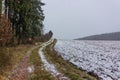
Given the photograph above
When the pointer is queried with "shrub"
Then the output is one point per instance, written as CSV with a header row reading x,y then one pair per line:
x,y
5,30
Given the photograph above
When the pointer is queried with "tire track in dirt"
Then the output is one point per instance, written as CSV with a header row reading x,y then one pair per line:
x,y
49,66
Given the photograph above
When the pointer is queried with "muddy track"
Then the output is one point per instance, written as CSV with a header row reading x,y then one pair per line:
x,y
21,71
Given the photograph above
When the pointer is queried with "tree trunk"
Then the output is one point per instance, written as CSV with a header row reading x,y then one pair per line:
x,y
0,6
6,8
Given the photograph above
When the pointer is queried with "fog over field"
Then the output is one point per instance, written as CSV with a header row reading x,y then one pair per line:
x,y
70,19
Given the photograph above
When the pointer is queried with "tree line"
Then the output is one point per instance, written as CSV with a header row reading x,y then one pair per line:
x,y
20,20
106,36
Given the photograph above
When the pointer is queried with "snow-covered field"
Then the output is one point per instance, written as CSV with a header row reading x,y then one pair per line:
x,y
100,57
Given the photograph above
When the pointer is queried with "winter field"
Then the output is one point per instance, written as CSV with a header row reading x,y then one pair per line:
x,y
99,57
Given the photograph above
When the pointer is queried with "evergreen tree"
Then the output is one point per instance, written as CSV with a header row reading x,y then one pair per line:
x,y
26,17
37,17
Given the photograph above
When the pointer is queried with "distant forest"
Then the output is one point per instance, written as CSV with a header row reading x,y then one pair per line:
x,y
106,36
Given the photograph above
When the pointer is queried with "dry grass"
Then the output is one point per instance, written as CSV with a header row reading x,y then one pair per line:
x,y
39,73
10,57
65,67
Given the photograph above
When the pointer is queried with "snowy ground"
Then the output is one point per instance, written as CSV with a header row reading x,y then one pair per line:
x,y
100,57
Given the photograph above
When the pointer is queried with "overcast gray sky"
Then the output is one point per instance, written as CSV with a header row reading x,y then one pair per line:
x,y
70,19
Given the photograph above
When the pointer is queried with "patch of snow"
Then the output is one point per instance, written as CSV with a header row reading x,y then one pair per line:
x,y
100,57
30,69
49,66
